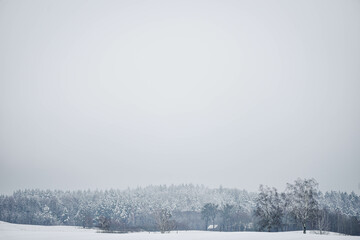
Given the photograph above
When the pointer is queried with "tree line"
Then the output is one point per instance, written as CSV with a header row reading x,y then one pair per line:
x,y
301,205
188,207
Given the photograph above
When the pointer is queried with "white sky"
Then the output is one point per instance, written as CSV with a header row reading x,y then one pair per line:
x,y
111,94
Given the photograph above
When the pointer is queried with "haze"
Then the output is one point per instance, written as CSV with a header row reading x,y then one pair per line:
x,y
117,94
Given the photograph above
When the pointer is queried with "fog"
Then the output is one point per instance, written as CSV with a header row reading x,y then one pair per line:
x,y
117,94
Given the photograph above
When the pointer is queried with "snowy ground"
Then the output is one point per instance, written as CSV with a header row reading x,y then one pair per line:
x,y
17,231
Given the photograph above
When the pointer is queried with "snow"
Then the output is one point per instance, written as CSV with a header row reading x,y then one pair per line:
x,y
10,231
210,227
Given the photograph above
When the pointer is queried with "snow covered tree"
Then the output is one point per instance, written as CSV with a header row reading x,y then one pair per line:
x,y
303,197
163,220
46,216
65,216
238,218
85,217
226,214
104,222
287,218
208,212
322,220
268,208
135,209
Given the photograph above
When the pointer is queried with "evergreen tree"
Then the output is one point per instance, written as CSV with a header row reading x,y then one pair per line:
x,y
208,212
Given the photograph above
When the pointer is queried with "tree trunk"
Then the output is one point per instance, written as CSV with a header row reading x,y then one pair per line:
x,y
304,228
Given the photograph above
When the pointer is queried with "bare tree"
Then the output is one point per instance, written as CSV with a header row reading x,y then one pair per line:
x,y
322,220
268,208
303,197
104,223
163,221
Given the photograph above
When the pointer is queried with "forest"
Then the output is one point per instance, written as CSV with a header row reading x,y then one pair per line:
x,y
188,207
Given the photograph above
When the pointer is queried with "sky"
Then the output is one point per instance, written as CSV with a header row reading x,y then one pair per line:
x,y
118,94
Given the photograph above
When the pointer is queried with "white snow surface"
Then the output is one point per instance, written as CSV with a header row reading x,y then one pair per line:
x,y
10,231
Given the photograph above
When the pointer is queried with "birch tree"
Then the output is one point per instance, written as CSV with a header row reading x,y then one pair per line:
x,y
303,197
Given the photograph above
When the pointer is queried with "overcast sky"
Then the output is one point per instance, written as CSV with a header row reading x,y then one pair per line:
x,y
117,94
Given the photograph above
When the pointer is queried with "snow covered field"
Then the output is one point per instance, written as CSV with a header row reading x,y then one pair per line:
x,y
10,231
